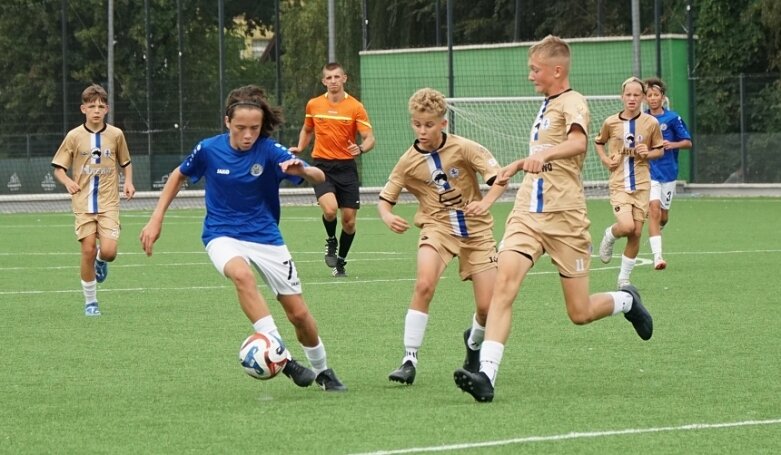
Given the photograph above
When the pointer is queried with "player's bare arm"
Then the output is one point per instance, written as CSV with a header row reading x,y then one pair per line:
x,y
575,144
62,177
304,138
129,189
394,222
481,207
296,167
151,232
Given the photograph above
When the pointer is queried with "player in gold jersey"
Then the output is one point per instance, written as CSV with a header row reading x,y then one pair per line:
x,y
441,170
549,216
632,138
94,152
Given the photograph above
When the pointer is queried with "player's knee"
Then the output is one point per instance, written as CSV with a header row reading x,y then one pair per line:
x,y
579,317
624,229
243,278
348,224
425,289
299,316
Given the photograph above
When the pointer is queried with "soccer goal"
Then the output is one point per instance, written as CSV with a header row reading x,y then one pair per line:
x,y
502,125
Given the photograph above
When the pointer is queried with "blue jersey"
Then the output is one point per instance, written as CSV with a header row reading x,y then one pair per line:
x,y
665,169
242,188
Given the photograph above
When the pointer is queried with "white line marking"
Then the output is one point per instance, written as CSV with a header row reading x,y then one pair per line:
x,y
575,435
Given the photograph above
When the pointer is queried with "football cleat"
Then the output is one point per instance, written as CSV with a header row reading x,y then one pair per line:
x,y
605,250
472,360
299,374
404,374
476,384
330,251
639,317
622,282
339,271
101,271
660,263
328,381
91,309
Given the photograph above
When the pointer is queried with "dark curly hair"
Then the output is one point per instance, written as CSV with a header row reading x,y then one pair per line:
x,y
254,97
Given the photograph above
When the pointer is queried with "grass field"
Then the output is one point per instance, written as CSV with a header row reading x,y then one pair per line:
x,y
159,373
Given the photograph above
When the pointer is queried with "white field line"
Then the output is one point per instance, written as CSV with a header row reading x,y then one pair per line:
x,y
575,435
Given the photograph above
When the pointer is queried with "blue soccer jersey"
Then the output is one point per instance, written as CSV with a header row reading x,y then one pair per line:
x,y
665,169
242,188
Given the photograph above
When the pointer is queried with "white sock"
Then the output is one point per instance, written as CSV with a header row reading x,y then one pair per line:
x,y
609,234
414,328
490,357
476,335
627,264
622,302
316,356
656,245
90,290
266,325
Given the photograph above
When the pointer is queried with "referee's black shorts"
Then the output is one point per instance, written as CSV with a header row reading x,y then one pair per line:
x,y
341,178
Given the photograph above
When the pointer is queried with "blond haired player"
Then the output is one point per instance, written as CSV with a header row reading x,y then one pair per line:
x,y
94,152
441,170
632,138
550,217
334,119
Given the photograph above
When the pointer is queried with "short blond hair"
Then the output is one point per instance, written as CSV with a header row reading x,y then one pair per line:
x,y
552,47
636,80
428,100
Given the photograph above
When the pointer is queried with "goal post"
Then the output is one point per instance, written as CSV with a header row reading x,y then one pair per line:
x,y
502,125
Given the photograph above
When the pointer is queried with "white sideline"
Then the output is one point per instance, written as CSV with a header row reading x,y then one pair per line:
x,y
574,435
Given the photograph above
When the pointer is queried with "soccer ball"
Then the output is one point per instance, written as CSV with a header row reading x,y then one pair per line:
x,y
263,356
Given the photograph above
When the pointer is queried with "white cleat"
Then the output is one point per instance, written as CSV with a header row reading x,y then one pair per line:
x,y
605,250
659,263
622,282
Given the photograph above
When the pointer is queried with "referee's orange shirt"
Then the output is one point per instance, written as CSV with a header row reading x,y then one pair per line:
x,y
335,125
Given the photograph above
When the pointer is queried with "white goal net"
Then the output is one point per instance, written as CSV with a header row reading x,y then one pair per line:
x,y
502,125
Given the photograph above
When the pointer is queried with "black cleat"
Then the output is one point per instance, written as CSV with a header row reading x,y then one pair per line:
x,y
639,317
339,271
331,244
476,384
301,375
328,381
404,374
472,360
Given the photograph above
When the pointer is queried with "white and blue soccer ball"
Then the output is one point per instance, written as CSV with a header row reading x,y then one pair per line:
x,y
263,356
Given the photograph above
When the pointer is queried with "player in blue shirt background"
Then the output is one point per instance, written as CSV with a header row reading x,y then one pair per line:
x,y
664,171
243,169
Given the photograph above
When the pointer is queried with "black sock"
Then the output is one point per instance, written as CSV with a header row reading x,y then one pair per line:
x,y
345,242
330,227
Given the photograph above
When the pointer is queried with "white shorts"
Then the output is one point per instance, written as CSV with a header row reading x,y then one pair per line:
x,y
663,192
272,262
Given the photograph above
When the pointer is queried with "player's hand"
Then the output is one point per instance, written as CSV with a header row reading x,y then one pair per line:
x,y
477,208
532,164
353,148
396,223
72,187
642,150
507,172
149,235
293,167
130,191
667,144
294,150
613,162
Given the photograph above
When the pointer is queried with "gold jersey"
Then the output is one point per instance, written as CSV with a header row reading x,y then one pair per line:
x,y
559,186
94,158
620,136
444,182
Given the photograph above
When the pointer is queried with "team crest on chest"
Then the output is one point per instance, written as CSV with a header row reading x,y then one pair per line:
x,y
663,127
545,123
256,170
454,172
439,177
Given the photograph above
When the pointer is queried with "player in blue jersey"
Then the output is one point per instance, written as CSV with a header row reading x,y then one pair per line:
x,y
243,169
664,171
